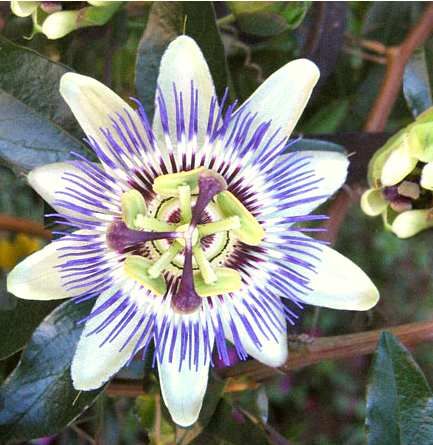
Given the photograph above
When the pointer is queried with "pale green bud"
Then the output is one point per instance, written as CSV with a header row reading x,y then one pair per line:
x,y
373,202
427,176
410,223
23,9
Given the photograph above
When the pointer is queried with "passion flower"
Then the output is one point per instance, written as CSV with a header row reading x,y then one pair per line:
x,y
185,232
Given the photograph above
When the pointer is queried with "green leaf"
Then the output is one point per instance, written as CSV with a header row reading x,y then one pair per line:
x,y
18,198
390,24
328,118
306,144
268,19
416,83
399,399
168,20
34,119
38,398
28,140
16,312
34,80
231,426
262,23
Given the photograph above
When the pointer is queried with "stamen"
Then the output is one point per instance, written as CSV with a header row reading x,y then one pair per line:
x,y
167,185
204,265
185,203
228,280
137,268
223,225
250,232
165,259
133,204
148,223
119,237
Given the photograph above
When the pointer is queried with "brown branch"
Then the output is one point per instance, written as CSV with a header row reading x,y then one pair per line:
x,y
333,348
310,353
397,58
23,225
125,388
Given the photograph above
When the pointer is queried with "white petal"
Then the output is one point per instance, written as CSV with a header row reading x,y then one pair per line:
x,y
60,23
48,179
272,350
23,8
284,95
36,277
183,391
92,103
93,364
340,284
331,167
182,63
184,387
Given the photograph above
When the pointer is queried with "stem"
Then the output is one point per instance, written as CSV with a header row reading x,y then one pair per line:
x,y
332,348
397,57
227,20
23,225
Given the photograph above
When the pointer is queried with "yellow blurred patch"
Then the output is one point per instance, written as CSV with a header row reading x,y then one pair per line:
x,y
12,251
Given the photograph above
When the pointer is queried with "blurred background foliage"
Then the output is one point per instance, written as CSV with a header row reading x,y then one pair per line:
x,y
323,404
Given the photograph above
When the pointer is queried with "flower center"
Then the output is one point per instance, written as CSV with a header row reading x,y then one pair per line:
x,y
409,194
186,236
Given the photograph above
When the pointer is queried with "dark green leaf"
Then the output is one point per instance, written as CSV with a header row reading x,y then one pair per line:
x,y
305,144
294,12
231,426
34,80
34,119
255,402
28,139
268,19
23,313
399,399
166,21
262,23
389,22
328,118
416,83
17,198
38,398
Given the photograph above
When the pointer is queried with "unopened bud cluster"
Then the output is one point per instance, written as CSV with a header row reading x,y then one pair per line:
x,y
57,19
400,176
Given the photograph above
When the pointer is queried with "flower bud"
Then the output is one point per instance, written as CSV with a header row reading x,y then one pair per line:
x,y
50,19
400,175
